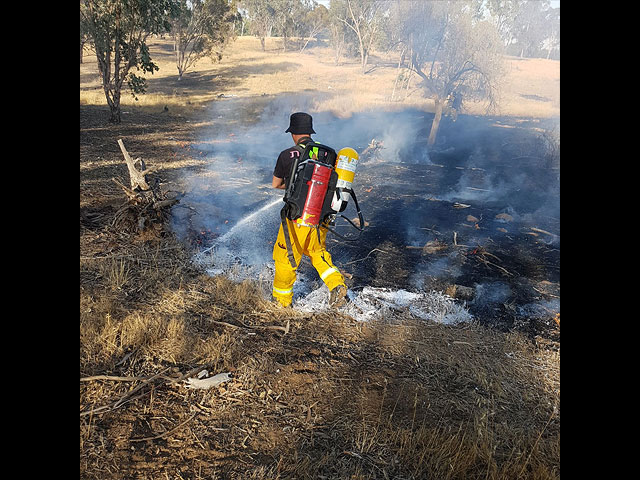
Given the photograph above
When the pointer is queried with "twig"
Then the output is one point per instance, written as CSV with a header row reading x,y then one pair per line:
x,y
130,193
539,230
165,433
253,327
146,382
108,408
359,260
225,324
545,293
506,272
110,377
193,371
125,398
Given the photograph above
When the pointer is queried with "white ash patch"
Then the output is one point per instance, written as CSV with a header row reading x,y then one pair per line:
x,y
371,303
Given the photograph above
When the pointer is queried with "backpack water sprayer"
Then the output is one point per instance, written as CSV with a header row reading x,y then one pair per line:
x,y
319,188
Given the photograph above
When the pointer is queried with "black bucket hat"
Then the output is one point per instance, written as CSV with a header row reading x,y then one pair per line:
x,y
300,123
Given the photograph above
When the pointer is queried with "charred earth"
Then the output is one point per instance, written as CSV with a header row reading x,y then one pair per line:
x,y
475,216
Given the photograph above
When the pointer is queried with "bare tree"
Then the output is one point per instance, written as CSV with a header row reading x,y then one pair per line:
x,y
288,15
552,40
338,34
455,54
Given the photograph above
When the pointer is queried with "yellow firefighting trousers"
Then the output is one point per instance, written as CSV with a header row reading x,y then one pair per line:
x,y
304,241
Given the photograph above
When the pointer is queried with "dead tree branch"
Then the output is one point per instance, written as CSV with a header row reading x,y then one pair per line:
x,y
146,204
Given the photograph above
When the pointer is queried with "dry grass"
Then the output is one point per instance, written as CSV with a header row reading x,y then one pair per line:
x,y
530,88
332,398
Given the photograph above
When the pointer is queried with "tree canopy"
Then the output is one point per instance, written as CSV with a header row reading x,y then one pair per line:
x,y
455,53
118,30
202,28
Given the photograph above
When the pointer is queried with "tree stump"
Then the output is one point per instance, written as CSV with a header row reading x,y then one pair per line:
x,y
146,205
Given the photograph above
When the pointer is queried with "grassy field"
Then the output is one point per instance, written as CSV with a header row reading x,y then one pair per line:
x,y
531,87
314,396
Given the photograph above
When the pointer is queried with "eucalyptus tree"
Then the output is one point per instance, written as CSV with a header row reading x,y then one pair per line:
x,y
502,14
202,28
119,30
262,18
453,51
364,18
315,22
530,26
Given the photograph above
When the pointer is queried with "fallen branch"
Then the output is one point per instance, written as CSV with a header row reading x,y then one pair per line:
x,y
165,203
193,371
146,203
206,383
126,397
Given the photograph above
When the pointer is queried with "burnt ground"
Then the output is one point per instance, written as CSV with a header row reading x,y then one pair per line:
x,y
485,207
475,216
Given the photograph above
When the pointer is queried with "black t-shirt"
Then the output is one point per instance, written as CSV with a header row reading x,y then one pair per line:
x,y
284,163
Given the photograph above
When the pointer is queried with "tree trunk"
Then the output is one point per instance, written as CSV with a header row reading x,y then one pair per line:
x,y
397,76
338,52
365,59
436,123
114,106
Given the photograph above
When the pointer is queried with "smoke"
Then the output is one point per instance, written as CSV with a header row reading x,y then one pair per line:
x,y
232,197
505,178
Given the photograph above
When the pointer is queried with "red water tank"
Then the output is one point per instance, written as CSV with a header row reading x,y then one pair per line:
x,y
315,196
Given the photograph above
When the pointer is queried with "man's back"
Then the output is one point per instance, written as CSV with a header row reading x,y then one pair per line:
x,y
284,163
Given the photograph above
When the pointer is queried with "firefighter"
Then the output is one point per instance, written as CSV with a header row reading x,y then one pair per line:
x,y
304,239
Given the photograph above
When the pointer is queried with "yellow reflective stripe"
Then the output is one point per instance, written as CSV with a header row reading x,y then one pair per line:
x,y
328,272
282,292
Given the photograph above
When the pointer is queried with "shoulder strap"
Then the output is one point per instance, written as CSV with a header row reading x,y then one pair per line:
x,y
304,140
287,239
302,144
